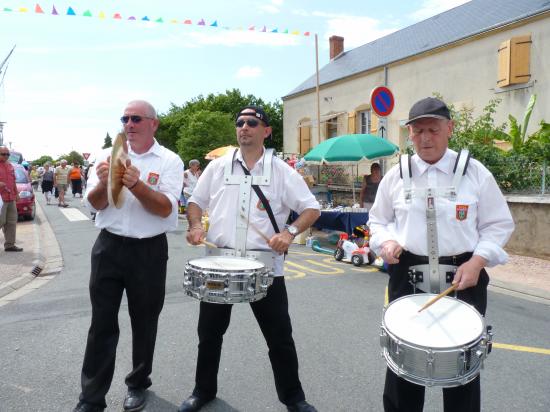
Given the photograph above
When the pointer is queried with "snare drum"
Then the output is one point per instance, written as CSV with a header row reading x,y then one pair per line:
x,y
444,345
226,279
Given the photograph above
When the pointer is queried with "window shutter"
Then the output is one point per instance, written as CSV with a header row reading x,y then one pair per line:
x,y
520,54
305,139
352,117
514,57
374,123
504,64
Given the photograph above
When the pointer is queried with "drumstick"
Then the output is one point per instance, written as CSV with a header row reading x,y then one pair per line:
x,y
255,228
207,243
435,299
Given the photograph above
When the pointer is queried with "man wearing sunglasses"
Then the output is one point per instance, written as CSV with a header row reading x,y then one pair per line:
x,y
9,196
129,255
220,190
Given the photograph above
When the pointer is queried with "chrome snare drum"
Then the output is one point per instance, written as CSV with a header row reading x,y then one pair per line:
x,y
226,279
444,345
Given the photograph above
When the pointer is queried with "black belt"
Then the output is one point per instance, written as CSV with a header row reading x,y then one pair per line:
x,y
130,239
455,260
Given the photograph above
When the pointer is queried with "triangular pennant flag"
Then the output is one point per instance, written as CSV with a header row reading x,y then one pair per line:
x,y
263,30
117,16
70,12
275,31
201,23
173,21
187,21
7,9
131,18
87,13
159,20
251,28
306,33
286,31
295,32
54,11
38,9
215,24
23,10
145,18
101,15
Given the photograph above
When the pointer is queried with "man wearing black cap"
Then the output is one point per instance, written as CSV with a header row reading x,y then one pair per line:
x,y
457,195
233,210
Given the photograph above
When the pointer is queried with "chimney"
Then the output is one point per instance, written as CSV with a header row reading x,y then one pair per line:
x,y
336,46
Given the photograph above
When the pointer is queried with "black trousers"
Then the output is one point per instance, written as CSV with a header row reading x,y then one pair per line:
x,y
271,312
137,266
404,396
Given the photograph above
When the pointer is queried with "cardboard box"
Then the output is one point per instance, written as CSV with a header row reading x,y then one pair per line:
x,y
309,180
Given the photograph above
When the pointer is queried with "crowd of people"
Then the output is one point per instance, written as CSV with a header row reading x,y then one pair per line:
x,y
250,188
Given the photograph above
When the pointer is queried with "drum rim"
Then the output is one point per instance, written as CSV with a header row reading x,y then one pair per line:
x,y
260,265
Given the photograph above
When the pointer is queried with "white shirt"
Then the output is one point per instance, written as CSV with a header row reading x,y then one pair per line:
x,y
190,181
161,170
477,221
287,191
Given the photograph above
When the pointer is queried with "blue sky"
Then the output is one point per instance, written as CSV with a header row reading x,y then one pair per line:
x,y
70,77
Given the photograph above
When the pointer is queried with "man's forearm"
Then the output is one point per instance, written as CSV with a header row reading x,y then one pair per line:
x,y
306,219
98,197
194,215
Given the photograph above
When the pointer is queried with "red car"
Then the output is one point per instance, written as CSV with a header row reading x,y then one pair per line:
x,y
25,204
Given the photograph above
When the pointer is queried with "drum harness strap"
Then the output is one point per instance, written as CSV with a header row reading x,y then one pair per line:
x,y
439,275
246,182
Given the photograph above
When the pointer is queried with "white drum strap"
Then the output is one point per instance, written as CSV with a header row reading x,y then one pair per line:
x,y
433,249
245,190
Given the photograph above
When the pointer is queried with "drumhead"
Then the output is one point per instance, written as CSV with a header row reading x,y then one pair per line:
x,y
230,263
447,323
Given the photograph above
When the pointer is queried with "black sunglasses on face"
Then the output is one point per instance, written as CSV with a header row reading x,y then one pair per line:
x,y
250,122
133,118
4,154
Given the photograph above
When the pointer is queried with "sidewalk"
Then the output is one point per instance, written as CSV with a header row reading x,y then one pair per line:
x,y
40,260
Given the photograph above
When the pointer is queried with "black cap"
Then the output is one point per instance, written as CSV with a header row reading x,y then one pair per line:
x,y
258,112
429,107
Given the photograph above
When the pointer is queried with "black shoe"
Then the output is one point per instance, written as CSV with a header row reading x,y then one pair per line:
x,y
87,407
301,406
192,404
13,249
135,400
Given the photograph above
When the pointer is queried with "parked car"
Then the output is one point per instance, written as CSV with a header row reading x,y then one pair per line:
x,y
15,157
25,205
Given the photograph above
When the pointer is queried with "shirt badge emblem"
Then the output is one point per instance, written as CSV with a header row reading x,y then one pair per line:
x,y
153,178
461,212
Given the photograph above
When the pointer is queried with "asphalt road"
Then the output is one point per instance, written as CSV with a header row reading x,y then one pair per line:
x,y
336,311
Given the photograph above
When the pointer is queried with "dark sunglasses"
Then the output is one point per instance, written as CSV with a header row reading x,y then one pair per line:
x,y
250,122
4,154
133,118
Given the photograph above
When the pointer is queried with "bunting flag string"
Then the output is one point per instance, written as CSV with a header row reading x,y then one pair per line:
x,y
119,16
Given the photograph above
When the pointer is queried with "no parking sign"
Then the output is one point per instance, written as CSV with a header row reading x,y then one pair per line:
x,y
382,101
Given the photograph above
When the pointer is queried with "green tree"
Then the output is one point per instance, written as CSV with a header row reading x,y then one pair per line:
x,y
42,160
72,157
108,142
202,132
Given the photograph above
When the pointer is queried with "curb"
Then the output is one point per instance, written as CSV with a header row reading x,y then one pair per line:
x,y
47,258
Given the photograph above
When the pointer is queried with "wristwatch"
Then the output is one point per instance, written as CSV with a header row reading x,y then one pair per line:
x,y
293,230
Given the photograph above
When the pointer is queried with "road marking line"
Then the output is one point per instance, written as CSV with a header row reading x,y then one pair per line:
x,y
521,348
298,274
308,269
334,270
74,215
305,253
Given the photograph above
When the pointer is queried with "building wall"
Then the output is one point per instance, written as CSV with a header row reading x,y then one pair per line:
x,y
465,75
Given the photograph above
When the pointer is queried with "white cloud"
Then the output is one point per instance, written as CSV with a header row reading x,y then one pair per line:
x,y
356,30
430,8
246,72
270,8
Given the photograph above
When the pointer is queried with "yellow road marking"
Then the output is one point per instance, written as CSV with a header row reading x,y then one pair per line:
x,y
334,270
307,254
298,274
521,348
308,269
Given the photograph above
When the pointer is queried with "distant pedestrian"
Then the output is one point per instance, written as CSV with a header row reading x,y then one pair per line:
x,y
76,179
47,182
61,181
9,197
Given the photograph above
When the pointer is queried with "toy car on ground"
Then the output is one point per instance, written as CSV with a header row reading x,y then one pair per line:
x,y
348,250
